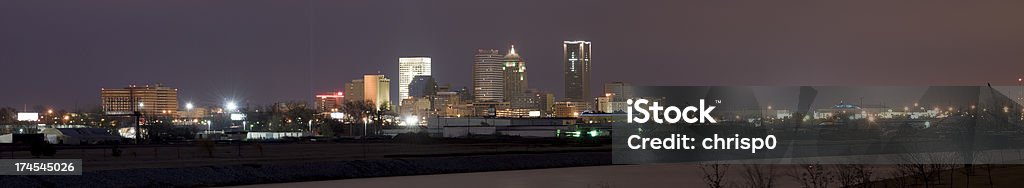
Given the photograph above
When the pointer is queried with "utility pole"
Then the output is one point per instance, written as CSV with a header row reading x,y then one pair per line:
x,y
138,115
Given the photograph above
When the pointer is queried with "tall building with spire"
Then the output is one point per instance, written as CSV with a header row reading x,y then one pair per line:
x,y
514,75
576,57
488,76
409,67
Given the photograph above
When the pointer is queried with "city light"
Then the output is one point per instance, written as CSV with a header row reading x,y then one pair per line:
x,y
337,115
412,120
231,106
25,116
189,106
237,117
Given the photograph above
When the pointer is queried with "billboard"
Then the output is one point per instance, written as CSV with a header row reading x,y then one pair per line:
x,y
337,115
237,117
26,116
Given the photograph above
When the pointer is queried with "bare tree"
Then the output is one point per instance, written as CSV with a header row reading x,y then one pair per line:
x,y
988,166
918,166
813,176
900,178
759,176
714,174
853,175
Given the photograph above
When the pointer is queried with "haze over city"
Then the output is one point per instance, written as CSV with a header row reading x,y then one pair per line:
x,y
60,54
511,93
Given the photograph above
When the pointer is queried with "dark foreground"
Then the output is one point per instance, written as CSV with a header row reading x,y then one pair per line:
x,y
243,174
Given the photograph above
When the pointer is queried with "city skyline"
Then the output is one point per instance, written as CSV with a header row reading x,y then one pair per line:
x,y
498,93
57,54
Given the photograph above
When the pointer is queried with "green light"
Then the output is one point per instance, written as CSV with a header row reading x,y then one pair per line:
x,y
593,133
573,133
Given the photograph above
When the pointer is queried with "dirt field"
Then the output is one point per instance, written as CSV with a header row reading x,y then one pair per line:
x,y
182,155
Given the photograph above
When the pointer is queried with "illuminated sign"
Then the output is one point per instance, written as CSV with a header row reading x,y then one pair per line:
x,y
28,116
337,115
534,113
237,117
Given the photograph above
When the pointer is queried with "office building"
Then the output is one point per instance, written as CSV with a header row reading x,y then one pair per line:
x,y
409,67
150,100
329,102
614,97
530,101
355,90
377,89
514,77
569,108
448,104
608,104
422,86
619,91
488,76
576,57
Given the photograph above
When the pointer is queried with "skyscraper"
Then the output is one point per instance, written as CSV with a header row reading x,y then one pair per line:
x,y
488,76
377,89
514,76
576,55
422,86
409,67
355,90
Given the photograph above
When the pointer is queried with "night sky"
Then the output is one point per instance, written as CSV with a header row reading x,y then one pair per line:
x,y
60,53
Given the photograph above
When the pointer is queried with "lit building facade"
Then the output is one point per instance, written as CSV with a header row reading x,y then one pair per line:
x,y
417,106
329,102
449,104
576,57
569,108
614,97
619,91
608,104
488,82
147,99
514,77
377,89
533,100
409,67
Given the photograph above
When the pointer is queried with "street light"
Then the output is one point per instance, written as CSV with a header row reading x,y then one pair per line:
x,y
231,106
189,106
412,120
364,127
